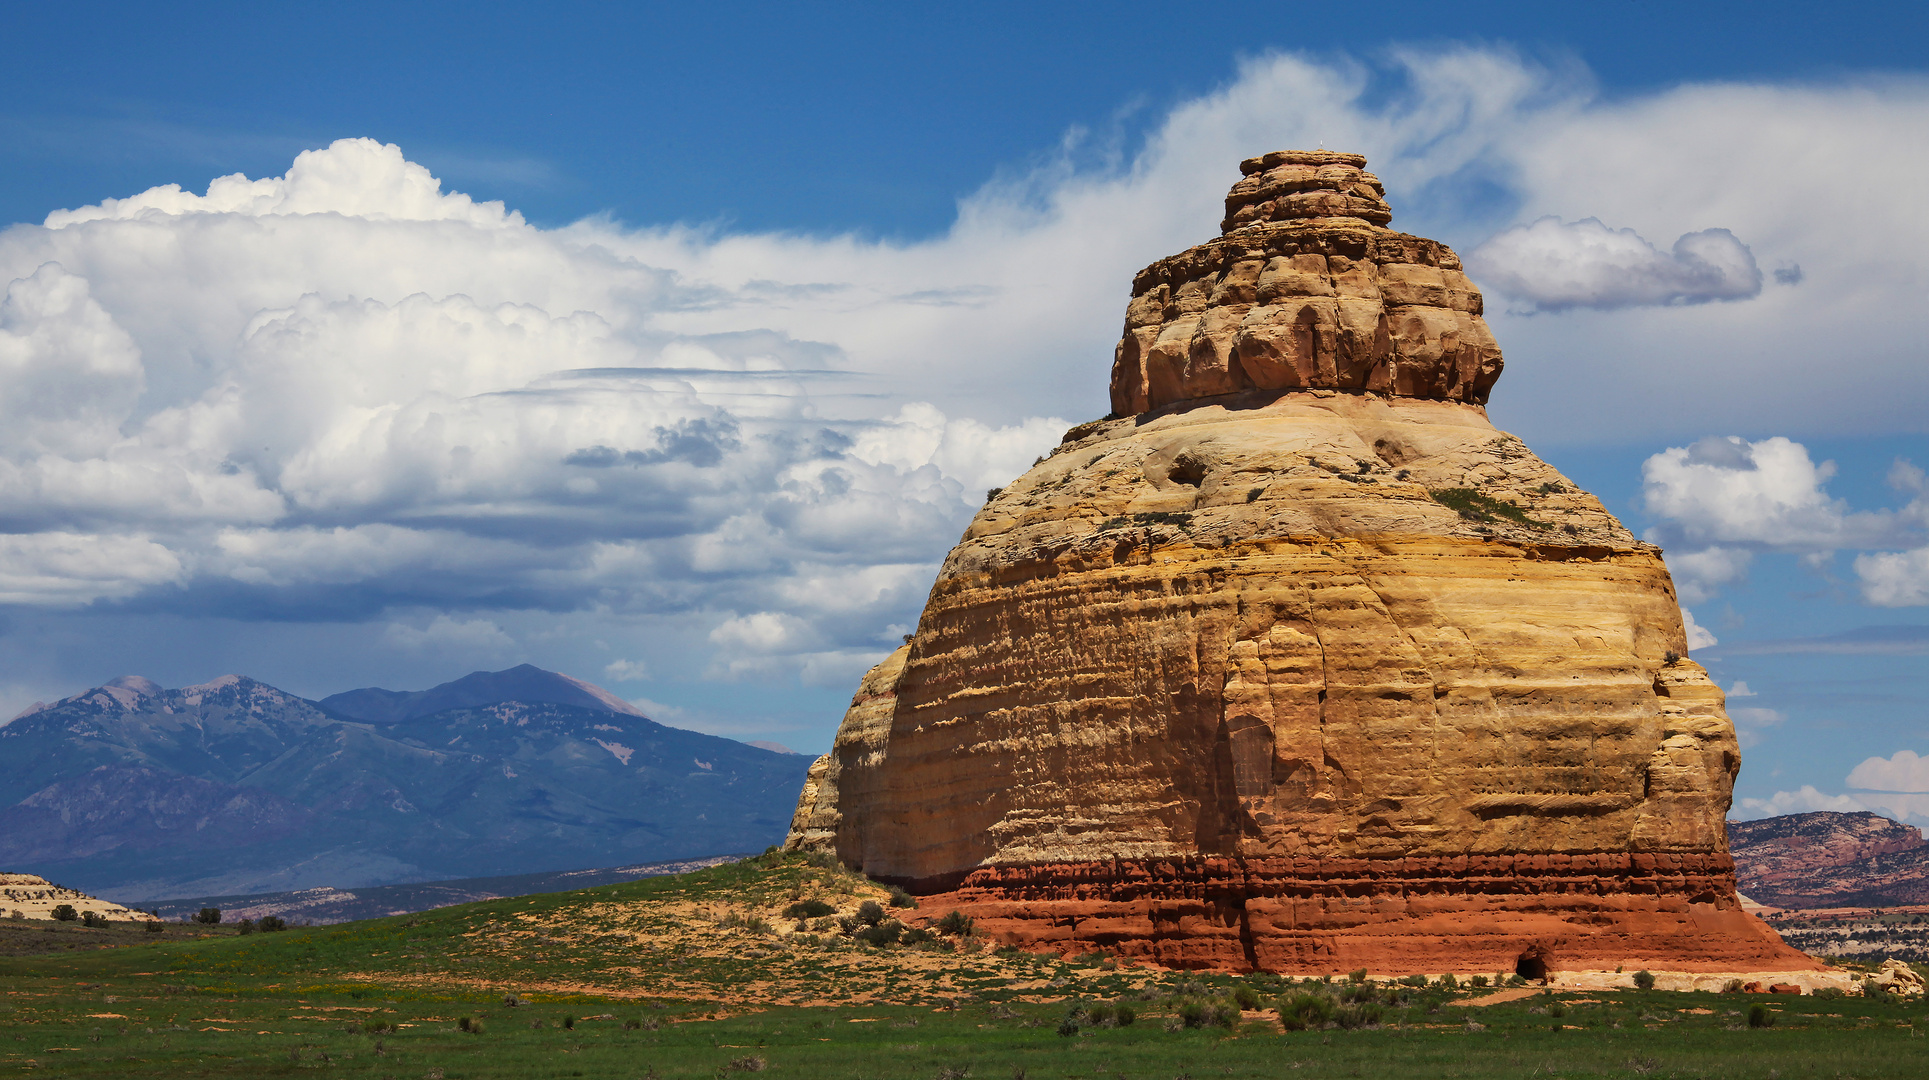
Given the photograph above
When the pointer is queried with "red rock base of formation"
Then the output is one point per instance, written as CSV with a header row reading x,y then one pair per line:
x,y
1525,914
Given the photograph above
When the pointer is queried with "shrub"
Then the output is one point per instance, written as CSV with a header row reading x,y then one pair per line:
x,y
1829,993
1478,506
208,916
465,1023
1193,1015
1644,979
1516,980
1356,976
93,918
154,926
900,898
1125,1014
1449,981
1478,980
884,933
1414,980
1556,1010
271,923
748,1063
914,935
1302,1011
246,926
1247,1000
808,909
1358,1015
956,923
1759,1016
1067,1027
569,1023
65,913
870,913
1225,1015
1732,986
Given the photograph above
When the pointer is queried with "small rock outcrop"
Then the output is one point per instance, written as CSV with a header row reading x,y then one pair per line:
x,y
1298,663
1305,289
29,896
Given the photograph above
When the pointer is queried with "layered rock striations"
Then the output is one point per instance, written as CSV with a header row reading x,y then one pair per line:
x,y
1306,288
1302,667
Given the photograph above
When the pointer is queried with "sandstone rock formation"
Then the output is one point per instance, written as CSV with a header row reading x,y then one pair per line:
x,y
1302,665
1305,289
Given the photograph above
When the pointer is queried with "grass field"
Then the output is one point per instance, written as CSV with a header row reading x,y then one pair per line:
x,y
700,976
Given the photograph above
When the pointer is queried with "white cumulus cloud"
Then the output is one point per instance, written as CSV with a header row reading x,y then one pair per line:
x,y
1553,265
1698,637
1895,578
1725,498
1904,771
1806,799
346,392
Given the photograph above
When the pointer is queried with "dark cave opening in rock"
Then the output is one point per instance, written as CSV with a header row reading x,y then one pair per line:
x,y
1531,966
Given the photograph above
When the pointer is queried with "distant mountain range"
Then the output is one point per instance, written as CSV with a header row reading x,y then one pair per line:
x,y
1828,859
139,793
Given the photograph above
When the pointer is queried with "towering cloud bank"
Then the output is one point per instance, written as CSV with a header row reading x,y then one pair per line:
x,y
1299,664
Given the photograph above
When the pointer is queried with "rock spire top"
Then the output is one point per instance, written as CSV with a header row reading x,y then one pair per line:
x,y
1305,288
1290,185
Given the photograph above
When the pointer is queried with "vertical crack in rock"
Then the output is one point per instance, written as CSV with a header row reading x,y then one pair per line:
x,y
1296,663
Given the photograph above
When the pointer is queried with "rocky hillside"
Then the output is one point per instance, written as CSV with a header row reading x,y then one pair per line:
x,y
233,786
1828,859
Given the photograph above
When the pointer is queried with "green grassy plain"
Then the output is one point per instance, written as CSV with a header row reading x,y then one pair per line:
x,y
645,980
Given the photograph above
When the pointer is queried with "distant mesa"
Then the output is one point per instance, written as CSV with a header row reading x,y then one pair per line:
x,y
1295,662
1829,859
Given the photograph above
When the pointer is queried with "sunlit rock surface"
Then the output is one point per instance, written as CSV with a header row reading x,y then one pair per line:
x,y
1302,665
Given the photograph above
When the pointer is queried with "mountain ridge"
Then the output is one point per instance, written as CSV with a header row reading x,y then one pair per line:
x,y
234,786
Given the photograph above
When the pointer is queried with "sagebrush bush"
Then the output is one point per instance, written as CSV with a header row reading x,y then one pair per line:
x,y
93,918
208,916
870,913
809,909
884,933
64,913
1478,980
271,923
956,923
1247,1000
1303,1010
1644,979
1358,975
1193,1015
1358,1015
1759,1016
900,898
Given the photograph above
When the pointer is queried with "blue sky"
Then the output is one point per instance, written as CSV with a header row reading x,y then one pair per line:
x,y
359,426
